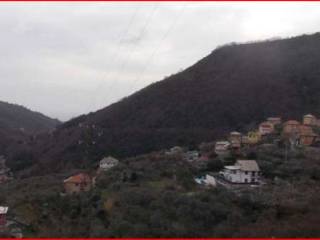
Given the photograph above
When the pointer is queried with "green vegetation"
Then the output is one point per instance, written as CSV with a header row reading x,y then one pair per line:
x,y
155,196
13,116
233,88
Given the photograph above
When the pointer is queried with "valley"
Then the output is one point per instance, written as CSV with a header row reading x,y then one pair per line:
x,y
228,147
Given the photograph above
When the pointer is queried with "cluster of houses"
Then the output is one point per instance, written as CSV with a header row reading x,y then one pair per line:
x,y
243,171
248,171
298,134
302,133
83,182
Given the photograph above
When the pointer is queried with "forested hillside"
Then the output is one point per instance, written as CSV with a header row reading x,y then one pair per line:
x,y
18,126
156,196
234,87
14,116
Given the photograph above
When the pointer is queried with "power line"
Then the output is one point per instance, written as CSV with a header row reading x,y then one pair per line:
x,y
150,59
142,32
117,50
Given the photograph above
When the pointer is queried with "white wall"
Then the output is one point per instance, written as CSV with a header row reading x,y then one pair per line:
x,y
240,176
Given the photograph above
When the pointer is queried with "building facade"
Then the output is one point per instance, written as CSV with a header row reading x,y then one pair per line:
x,y
266,128
222,147
108,163
235,137
254,137
306,135
175,150
291,127
3,216
309,120
81,182
244,171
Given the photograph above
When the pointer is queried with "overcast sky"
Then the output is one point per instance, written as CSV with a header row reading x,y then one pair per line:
x,y
66,59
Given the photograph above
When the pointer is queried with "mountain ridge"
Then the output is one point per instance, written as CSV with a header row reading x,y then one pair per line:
x,y
18,127
233,88
16,116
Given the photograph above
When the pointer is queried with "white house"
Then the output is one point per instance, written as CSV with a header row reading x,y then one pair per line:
x,y
244,171
108,162
3,215
266,128
174,151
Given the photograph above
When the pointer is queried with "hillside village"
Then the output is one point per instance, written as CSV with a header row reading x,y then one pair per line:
x,y
292,133
222,149
234,169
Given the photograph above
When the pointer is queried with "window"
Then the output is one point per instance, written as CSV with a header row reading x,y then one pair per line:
x,y
246,172
245,180
253,173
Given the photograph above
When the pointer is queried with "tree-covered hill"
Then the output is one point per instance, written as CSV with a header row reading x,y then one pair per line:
x,y
18,126
14,116
155,195
233,88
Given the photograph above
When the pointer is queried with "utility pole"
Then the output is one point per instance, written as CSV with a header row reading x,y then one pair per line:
x,y
286,150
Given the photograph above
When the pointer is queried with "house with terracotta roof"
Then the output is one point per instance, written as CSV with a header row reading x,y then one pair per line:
x,y
235,137
266,128
81,182
306,135
309,120
291,127
244,171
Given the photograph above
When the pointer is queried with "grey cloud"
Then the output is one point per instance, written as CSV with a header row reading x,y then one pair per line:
x,y
66,59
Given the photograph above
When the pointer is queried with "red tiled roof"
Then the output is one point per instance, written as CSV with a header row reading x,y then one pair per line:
x,y
291,122
266,124
306,131
79,178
